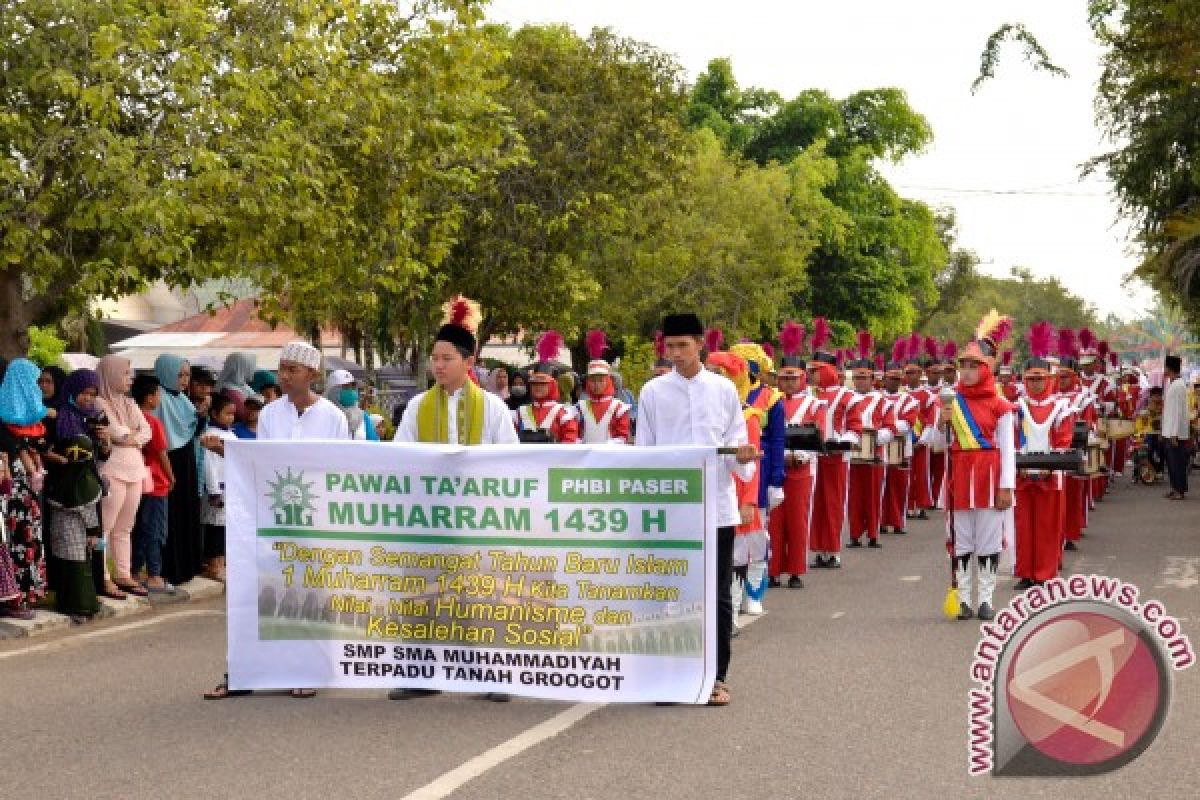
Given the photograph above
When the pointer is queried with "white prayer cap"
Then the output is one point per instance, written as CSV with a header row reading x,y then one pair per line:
x,y
301,353
340,377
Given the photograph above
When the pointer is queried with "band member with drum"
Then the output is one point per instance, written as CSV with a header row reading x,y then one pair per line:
x,y
982,469
1103,396
920,485
833,470
545,414
1079,401
1044,424
904,412
864,504
790,523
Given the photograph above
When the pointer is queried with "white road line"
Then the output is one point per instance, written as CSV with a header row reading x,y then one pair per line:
x,y
911,578
838,614
129,626
450,782
468,771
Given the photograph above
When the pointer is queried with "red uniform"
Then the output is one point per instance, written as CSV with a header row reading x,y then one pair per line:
x,y
920,485
903,418
790,523
1127,400
1042,425
1078,488
603,420
829,500
550,416
864,502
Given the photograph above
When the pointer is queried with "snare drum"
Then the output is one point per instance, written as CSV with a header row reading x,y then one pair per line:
x,y
1095,458
894,453
864,453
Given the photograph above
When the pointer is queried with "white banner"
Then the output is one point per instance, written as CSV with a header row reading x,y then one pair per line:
x,y
581,573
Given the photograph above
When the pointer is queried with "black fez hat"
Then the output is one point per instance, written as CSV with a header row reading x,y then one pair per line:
x,y
1173,363
682,325
795,362
457,336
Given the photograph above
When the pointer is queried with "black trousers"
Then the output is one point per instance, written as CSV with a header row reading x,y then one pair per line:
x,y
1177,465
724,598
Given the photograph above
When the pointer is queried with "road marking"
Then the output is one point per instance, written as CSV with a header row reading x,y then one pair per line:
x,y
454,779
911,578
128,626
450,782
838,614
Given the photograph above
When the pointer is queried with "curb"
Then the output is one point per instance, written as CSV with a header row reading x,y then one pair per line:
x,y
45,622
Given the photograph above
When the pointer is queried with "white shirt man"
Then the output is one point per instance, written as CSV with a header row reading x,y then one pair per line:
x,y
497,420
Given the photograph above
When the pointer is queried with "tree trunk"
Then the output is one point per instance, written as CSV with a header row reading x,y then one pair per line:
x,y
16,314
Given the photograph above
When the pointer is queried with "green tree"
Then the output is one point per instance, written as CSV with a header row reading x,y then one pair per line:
x,y
730,240
1023,296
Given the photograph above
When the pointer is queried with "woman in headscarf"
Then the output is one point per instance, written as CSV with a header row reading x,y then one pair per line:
x,y
342,391
183,554
73,492
124,471
234,381
51,383
23,440
518,390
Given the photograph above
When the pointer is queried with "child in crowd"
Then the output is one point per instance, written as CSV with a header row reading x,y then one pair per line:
x,y
220,423
150,530
247,428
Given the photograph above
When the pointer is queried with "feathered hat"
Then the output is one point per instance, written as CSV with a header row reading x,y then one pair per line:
x,y
1087,346
595,342
756,358
822,335
1040,339
660,351
791,342
993,329
899,355
913,349
547,348
732,366
1006,362
769,349
1068,349
460,322
950,352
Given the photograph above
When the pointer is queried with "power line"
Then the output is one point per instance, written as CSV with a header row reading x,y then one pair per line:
x,y
1000,192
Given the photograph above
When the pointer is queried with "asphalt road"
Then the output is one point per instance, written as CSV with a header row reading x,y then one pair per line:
x,y
854,686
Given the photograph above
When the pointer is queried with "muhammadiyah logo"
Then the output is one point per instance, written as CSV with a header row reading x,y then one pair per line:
x,y
291,499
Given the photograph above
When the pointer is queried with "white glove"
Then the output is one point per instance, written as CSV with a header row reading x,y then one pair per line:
x,y
848,436
774,497
884,437
901,427
926,437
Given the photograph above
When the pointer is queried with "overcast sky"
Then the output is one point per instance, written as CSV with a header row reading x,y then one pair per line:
x,y
1007,159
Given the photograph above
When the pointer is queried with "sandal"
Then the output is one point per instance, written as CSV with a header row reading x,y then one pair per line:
x,y
303,694
112,592
134,589
222,690
720,694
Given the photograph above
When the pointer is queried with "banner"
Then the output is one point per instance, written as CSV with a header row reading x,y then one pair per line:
x,y
581,573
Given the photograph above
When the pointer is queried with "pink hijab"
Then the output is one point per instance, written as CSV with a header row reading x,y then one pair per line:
x,y
111,372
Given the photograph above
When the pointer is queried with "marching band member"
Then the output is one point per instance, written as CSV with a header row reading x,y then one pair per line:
x,y
604,419
864,503
789,525
769,401
1009,387
1076,490
1044,423
833,470
904,417
545,414
750,544
982,471
920,486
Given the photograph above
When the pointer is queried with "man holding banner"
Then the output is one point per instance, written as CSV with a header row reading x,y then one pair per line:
x,y
455,410
692,406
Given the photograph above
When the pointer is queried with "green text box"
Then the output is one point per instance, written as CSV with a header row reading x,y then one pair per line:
x,y
632,485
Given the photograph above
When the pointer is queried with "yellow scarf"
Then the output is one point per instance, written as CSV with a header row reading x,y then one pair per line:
x,y
433,416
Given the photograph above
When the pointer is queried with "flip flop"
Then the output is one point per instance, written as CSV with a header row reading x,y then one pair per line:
x,y
134,589
720,694
222,691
